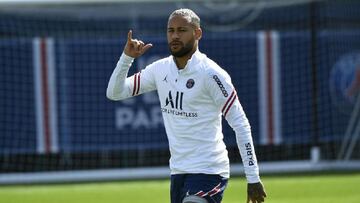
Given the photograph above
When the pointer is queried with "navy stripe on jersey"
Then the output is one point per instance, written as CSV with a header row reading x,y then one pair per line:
x,y
229,103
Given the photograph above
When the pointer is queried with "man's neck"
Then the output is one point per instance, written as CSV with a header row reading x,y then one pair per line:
x,y
182,61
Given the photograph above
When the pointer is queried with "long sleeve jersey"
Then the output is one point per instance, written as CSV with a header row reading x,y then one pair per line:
x,y
193,101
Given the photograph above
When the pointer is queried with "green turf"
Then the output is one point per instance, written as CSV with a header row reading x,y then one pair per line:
x,y
295,189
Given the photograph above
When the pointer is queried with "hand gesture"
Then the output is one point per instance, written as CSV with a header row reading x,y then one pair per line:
x,y
134,47
255,192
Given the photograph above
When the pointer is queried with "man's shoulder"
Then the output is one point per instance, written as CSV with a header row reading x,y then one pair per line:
x,y
162,62
211,68
159,65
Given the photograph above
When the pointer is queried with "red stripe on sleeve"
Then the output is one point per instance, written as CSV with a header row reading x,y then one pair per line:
x,y
227,102
138,81
231,103
135,83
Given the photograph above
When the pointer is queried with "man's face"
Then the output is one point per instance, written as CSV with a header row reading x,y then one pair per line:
x,y
181,36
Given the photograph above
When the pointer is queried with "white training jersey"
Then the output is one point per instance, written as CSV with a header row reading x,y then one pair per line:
x,y
193,101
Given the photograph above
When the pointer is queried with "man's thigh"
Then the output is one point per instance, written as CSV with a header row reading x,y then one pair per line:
x,y
192,186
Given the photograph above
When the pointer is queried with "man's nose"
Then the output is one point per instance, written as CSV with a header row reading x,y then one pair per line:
x,y
175,35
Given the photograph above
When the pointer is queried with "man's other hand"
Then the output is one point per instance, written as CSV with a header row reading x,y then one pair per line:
x,y
255,192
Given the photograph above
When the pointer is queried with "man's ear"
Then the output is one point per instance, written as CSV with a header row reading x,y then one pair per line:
x,y
198,33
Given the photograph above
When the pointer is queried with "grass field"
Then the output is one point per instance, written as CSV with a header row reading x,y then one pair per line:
x,y
330,188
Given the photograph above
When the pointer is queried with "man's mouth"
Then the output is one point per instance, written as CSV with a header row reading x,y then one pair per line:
x,y
175,44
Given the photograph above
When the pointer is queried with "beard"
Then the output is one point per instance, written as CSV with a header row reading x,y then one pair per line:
x,y
185,49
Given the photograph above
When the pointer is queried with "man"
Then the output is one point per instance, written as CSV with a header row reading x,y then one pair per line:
x,y
194,92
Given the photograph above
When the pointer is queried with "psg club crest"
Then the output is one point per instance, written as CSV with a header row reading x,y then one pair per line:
x,y
190,83
345,82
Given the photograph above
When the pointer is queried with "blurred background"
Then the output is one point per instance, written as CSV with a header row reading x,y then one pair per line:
x,y
295,65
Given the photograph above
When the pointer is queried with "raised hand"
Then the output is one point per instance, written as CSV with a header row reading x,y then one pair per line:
x,y
256,193
134,47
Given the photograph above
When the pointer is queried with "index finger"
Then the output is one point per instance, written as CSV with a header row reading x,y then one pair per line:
x,y
129,37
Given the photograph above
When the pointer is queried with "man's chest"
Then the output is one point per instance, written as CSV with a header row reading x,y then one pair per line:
x,y
181,92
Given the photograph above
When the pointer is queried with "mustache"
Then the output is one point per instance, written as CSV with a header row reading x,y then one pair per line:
x,y
175,42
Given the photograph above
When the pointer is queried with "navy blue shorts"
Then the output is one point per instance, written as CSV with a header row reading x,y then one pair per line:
x,y
210,187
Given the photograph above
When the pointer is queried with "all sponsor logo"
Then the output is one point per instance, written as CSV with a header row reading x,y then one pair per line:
x,y
174,105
